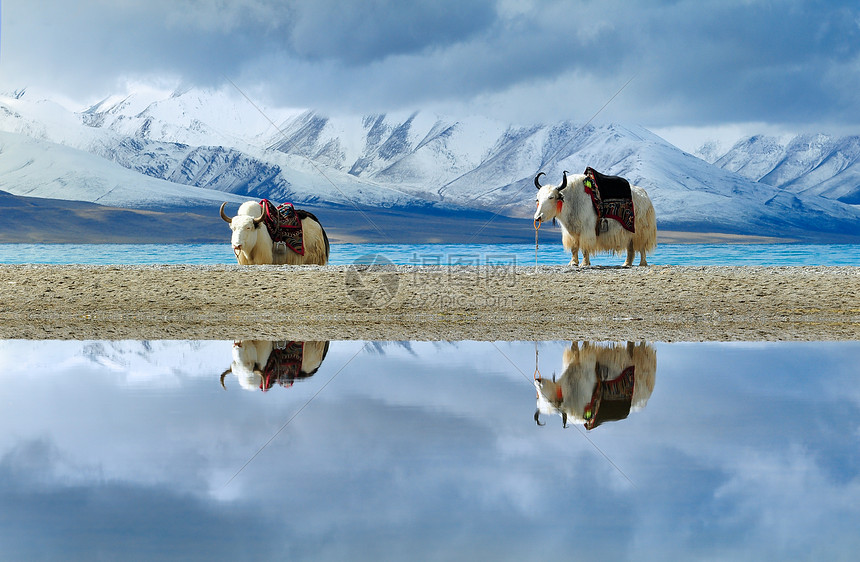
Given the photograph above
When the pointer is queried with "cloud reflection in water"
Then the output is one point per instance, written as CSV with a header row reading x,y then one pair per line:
x,y
423,450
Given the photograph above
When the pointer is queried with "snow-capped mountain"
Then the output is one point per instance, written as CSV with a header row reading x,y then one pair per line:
x,y
205,146
38,168
806,164
160,363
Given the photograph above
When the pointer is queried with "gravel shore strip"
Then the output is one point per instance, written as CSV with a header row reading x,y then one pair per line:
x,y
656,303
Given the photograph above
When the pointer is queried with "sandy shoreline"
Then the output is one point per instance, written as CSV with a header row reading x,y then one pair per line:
x,y
657,303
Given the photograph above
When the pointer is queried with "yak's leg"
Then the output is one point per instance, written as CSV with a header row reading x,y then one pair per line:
x,y
574,256
585,259
643,261
630,254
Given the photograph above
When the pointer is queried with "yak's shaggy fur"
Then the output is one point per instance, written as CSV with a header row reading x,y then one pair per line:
x,y
578,222
253,245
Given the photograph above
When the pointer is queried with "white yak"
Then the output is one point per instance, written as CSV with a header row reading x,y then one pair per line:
x,y
253,245
599,383
259,364
572,206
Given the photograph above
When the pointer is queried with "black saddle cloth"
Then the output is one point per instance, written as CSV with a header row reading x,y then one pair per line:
x,y
610,187
611,198
613,398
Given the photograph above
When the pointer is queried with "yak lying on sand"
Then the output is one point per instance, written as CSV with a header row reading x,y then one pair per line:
x,y
572,205
261,364
253,245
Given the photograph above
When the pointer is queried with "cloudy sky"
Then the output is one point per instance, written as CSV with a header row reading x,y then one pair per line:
x,y
720,65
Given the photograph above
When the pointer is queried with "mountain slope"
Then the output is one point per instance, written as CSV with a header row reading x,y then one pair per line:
x,y
37,168
33,220
817,165
205,146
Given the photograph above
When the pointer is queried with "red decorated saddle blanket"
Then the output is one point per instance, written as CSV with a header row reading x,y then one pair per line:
x,y
611,198
284,365
284,225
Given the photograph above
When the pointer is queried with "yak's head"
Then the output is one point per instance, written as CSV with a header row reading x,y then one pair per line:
x,y
570,394
549,399
244,227
245,365
550,199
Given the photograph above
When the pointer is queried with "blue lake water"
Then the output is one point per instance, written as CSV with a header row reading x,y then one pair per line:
x,y
131,450
439,254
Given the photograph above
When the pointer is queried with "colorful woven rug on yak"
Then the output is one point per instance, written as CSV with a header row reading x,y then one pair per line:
x,y
284,365
284,225
611,198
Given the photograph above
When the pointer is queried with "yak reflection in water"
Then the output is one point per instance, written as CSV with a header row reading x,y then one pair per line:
x,y
599,383
261,364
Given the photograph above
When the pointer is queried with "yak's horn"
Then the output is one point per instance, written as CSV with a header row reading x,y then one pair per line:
x,y
537,177
224,374
258,220
537,418
224,216
564,181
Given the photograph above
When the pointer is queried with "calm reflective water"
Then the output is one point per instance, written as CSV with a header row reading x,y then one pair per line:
x,y
440,254
414,450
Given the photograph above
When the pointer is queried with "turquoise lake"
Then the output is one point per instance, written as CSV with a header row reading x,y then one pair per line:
x,y
440,254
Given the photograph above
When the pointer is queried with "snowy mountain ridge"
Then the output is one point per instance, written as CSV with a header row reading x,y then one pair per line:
x,y
206,145
813,164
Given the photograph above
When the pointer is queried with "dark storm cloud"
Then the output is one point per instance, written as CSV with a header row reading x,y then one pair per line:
x,y
695,62
362,32
754,61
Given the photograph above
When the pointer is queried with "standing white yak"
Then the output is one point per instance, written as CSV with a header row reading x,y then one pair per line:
x,y
253,245
600,382
573,207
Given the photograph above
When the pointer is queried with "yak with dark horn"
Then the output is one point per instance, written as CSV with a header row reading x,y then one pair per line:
x,y
224,216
